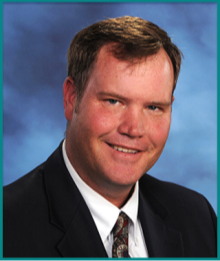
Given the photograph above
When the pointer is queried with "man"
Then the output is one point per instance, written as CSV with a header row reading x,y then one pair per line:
x,y
118,98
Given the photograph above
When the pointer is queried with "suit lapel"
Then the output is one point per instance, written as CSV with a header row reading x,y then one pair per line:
x,y
69,212
82,238
161,240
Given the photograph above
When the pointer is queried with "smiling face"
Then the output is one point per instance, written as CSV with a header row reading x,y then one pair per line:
x,y
122,123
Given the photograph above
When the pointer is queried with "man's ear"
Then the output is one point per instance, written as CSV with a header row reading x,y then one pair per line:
x,y
173,98
69,97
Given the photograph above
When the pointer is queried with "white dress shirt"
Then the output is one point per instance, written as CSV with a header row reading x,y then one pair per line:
x,y
107,217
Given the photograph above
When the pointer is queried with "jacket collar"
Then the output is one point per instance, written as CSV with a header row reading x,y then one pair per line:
x,y
69,213
161,240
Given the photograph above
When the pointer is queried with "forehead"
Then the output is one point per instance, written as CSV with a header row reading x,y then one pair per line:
x,y
106,59
147,79
158,65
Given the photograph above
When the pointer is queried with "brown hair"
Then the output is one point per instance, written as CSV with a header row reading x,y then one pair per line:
x,y
134,39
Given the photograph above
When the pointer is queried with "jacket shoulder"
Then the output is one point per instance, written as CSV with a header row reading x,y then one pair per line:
x,y
183,210
173,196
15,194
26,218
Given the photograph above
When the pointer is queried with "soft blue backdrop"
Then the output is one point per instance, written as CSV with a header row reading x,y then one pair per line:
x,y
35,42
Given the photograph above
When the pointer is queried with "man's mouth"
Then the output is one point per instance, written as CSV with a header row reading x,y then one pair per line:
x,y
125,150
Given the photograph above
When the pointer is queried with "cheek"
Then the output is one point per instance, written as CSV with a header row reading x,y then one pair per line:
x,y
102,122
159,133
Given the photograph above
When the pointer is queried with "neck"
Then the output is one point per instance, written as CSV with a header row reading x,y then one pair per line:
x,y
117,196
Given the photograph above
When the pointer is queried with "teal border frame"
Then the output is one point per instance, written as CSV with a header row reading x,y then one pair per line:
x,y
1,122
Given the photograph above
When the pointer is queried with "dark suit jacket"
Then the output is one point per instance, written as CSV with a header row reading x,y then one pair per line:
x,y
46,216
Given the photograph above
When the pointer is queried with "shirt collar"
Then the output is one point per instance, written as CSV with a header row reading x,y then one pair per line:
x,y
106,218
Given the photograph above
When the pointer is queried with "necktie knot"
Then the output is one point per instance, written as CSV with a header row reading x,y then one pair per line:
x,y
120,233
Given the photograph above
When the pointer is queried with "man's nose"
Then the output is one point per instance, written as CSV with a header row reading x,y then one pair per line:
x,y
132,123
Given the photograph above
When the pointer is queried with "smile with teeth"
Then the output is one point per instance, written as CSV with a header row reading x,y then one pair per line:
x,y
121,149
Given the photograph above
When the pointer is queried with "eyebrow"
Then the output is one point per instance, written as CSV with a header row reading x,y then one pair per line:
x,y
164,104
115,95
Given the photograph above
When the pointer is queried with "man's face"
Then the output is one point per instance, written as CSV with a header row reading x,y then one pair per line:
x,y
123,120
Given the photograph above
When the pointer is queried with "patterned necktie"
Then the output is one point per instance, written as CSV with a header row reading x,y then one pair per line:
x,y
120,233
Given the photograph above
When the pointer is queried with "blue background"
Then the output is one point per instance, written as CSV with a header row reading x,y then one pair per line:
x,y
36,37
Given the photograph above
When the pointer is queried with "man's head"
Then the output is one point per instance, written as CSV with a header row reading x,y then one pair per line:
x,y
123,114
133,38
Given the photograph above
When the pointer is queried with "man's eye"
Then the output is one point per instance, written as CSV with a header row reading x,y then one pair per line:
x,y
152,107
112,101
